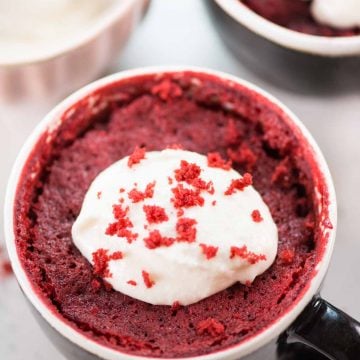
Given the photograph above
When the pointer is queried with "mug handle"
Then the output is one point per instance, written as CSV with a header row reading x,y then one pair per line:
x,y
328,330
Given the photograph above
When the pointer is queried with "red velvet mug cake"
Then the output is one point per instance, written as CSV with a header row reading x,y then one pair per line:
x,y
170,214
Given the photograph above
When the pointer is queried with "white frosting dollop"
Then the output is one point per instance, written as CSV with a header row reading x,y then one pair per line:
x,y
181,272
337,13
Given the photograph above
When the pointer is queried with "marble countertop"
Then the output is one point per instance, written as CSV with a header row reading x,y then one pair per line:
x,y
164,39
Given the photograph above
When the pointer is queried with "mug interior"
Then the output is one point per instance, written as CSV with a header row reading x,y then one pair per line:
x,y
311,44
53,120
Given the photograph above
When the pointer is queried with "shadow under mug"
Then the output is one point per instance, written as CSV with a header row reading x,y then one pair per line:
x,y
311,323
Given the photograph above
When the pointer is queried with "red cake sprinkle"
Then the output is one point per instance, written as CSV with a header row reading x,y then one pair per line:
x,y
155,214
211,327
256,216
186,229
186,197
209,251
121,190
117,255
101,261
147,280
136,196
243,253
99,194
155,240
216,161
287,256
213,203
119,212
132,282
136,156
187,172
190,173
170,180
121,227
180,212
239,184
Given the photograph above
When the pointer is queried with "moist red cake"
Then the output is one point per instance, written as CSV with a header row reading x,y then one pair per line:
x,y
295,15
204,114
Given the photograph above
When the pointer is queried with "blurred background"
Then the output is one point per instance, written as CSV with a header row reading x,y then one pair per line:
x,y
182,33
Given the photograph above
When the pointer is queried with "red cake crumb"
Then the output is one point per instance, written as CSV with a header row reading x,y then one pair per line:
x,y
239,184
119,212
180,212
155,240
136,156
136,196
256,216
186,197
132,282
101,260
187,172
243,253
186,230
209,251
190,172
121,227
117,255
287,256
98,194
121,190
166,90
170,180
213,203
155,214
211,327
147,280
216,161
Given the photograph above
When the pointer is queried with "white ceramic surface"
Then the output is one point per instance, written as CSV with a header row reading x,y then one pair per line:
x,y
51,121
74,63
318,45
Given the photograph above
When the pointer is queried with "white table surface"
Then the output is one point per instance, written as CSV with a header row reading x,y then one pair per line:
x,y
180,32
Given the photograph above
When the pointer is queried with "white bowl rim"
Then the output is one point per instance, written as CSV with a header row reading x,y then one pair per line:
x,y
109,16
339,46
234,352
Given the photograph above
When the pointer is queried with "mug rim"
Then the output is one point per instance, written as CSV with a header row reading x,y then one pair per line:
x,y
337,46
52,120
